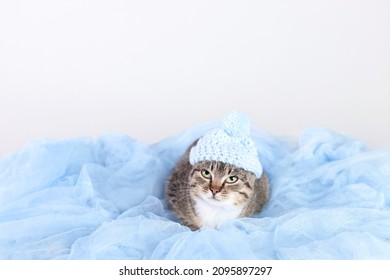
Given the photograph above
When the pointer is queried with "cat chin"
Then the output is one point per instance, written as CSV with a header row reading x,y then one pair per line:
x,y
212,212
215,201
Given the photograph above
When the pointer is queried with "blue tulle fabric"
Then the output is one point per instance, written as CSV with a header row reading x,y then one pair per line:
x,y
103,198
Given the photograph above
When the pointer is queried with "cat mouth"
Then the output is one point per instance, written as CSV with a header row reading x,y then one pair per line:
x,y
211,199
214,198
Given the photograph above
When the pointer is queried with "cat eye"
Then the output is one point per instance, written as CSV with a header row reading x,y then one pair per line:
x,y
231,179
205,173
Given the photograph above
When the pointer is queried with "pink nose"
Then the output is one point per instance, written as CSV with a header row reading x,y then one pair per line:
x,y
214,190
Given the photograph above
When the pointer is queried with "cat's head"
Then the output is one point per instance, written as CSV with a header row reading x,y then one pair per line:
x,y
221,183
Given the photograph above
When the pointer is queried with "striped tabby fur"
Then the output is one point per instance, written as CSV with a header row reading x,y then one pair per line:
x,y
211,192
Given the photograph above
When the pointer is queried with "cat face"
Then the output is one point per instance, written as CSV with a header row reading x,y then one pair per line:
x,y
220,183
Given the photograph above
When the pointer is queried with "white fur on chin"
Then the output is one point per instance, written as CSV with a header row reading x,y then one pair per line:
x,y
211,212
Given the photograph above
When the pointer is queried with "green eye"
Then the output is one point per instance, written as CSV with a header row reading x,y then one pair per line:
x,y
231,179
205,173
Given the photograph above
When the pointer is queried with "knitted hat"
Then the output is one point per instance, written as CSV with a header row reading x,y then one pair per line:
x,y
229,144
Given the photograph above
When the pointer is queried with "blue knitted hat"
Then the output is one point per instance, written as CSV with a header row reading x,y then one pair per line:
x,y
229,144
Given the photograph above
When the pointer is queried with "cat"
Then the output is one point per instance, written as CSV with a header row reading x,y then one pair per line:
x,y
210,192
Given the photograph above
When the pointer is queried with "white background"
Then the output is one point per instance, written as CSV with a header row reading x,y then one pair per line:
x,y
151,69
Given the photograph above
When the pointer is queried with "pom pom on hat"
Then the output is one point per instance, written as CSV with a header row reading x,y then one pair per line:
x,y
229,144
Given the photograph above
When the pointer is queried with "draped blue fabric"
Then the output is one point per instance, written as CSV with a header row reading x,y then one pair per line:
x,y
103,198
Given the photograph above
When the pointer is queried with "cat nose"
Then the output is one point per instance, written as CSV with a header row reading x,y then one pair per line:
x,y
214,190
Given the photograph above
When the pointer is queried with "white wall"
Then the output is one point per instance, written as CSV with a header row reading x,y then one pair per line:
x,y
151,69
